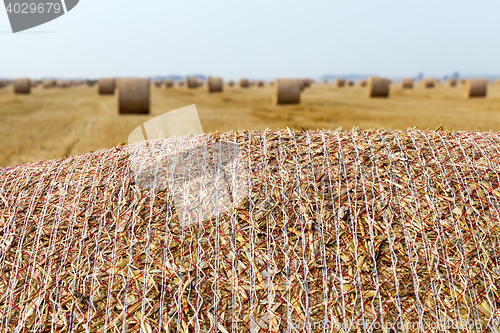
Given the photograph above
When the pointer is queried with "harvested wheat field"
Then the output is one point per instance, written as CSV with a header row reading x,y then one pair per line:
x,y
339,229
53,123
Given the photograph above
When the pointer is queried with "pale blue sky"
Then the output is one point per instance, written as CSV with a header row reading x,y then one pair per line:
x,y
258,39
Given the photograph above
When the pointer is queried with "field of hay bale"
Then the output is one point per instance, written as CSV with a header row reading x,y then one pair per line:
x,y
53,123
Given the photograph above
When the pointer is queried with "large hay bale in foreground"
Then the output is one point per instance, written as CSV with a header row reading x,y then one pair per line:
x,y
338,83
133,95
428,83
192,82
286,91
475,88
107,86
244,83
320,228
407,83
22,86
377,87
215,84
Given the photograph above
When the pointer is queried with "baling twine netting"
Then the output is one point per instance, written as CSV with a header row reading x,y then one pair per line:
x,y
319,231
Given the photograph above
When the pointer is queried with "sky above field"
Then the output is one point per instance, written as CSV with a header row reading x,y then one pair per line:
x,y
258,39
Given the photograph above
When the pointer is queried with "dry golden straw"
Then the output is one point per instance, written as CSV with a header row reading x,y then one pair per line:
x,y
348,230
475,88
286,91
133,95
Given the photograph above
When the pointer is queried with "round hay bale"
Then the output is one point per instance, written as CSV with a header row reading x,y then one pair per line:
x,y
215,84
452,82
475,88
91,83
169,83
377,87
428,83
329,223
63,84
338,83
3,84
362,83
286,91
259,83
48,84
230,83
349,83
192,82
22,86
133,95
407,83
180,83
158,83
107,86
244,83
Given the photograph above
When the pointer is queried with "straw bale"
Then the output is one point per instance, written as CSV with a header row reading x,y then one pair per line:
x,y
428,83
362,83
407,83
169,83
377,87
22,86
475,88
286,91
133,95
192,82
452,82
339,82
107,86
158,83
339,228
244,83
181,83
230,83
47,84
259,83
215,84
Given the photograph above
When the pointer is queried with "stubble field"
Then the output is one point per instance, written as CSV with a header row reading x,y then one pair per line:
x,y
53,123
